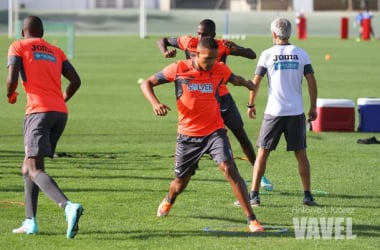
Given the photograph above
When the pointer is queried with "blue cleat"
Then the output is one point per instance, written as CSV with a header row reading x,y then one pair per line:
x,y
266,184
29,226
73,212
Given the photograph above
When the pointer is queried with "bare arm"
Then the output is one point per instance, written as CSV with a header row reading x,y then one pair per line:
x,y
313,93
12,82
240,81
237,50
251,111
147,89
163,44
74,83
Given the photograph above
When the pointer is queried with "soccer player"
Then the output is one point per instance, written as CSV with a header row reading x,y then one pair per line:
x,y
285,66
41,65
230,113
200,125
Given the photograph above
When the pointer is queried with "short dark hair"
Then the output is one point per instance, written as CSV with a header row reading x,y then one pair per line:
x,y
209,25
208,43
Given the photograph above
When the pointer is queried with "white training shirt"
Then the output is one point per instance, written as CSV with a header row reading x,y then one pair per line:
x,y
285,66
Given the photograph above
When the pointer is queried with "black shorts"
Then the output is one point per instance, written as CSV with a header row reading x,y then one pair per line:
x,y
293,128
42,132
189,151
230,112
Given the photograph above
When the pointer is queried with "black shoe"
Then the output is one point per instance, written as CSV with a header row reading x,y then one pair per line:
x,y
309,201
255,201
371,140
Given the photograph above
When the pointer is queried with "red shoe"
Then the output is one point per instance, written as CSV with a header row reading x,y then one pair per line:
x,y
164,208
255,226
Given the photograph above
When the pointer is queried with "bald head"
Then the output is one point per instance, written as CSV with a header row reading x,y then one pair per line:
x,y
32,27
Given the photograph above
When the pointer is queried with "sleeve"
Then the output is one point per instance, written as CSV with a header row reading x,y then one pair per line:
x,y
308,69
168,74
173,41
66,66
14,55
183,42
227,73
261,68
224,48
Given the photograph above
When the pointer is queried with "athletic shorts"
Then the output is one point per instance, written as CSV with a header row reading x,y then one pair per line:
x,y
230,112
293,128
189,151
42,132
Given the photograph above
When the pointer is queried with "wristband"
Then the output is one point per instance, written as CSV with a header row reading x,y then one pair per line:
x,y
250,106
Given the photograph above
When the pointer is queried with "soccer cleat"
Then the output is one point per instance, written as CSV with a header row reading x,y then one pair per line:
x,y
164,208
255,201
309,201
255,226
29,226
265,183
73,212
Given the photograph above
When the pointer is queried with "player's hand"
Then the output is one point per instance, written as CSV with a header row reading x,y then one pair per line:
x,y
171,53
229,44
12,99
251,112
312,115
161,109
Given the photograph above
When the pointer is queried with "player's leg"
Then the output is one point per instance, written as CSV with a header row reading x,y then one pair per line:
x,y
42,131
31,191
233,120
177,186
187,154
304,172
220,150
295,136
269,136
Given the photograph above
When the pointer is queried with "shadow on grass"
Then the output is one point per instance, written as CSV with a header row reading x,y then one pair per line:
x,y
149,234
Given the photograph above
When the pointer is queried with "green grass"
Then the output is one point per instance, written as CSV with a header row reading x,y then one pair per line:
x,y
119,159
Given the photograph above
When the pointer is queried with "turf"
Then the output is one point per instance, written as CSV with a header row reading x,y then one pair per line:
x,y
116,158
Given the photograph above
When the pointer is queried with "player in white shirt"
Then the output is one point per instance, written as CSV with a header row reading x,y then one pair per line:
x,y
285,66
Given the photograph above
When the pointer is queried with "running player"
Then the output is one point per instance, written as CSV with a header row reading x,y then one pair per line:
x,y
41,65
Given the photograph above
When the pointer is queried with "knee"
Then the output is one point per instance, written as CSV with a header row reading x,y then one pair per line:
x,y
228,168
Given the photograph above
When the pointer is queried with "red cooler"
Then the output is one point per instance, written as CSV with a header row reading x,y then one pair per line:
x,y
334,115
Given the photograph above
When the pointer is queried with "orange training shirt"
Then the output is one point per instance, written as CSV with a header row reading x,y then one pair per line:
x,y
189,45
197,96
41,69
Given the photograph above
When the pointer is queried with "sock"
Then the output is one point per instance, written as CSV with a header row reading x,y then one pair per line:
x,y
307,193
31,191
51,189
253,194
251,218
171,201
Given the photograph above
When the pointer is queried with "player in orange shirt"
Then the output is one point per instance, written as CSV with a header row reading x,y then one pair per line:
x,y
41,65
230,113
200,125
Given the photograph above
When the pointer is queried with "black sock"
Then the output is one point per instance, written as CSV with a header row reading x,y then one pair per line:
x,y
171,201
307,194
253,194
251,218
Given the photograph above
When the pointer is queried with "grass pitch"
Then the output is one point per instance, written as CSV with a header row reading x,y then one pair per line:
x,y
117,159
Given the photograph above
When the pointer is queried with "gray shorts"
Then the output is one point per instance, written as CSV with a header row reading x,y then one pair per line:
x,y
42,132
230,112
293,128
189,151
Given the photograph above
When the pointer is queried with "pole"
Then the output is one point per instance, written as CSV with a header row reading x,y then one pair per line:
x,y
10,18
142,19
